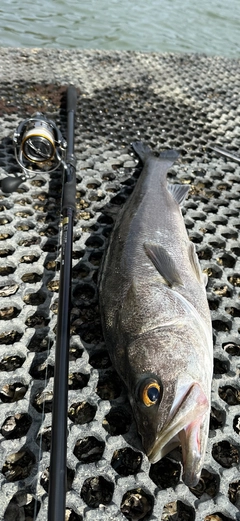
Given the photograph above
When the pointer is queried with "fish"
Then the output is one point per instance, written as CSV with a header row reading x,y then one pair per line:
x,y
155,316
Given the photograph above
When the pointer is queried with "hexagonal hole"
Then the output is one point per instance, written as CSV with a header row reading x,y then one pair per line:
x,y
117,421
10,337
100,359
29,259
82,412
11,363
222,290
6,270
84,292
37,321
236,424
234,493
75,352
89,449
217,516
137,504
165,473
97,490
18,465
232,348
222,324
44,438
70,515
234,279
23,506
230,394
39,342
217,418
77,380
234,311
13,392
40,369
35,299
44,480
80,271
43,401
126,461
109,385
225,454
31,278
16,426
9,312
220,366
226,260
177,510
208,484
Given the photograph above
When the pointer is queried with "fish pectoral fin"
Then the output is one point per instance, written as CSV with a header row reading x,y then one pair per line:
x,y
195,262
178,192
163,263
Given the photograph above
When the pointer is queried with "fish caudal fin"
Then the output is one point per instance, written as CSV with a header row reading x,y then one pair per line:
x,y
144,151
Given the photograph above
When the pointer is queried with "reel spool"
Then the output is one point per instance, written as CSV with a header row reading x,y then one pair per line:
x,y
38,145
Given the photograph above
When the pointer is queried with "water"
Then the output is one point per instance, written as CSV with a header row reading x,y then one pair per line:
x,y
209,26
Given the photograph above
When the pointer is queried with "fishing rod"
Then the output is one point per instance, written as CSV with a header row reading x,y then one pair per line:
x,y
58,455
39,146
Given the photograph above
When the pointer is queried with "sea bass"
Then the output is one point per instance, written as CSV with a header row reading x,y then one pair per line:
x,y
155,317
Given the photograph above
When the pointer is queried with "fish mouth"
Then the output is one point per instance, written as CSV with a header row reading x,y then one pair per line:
x,y
187,426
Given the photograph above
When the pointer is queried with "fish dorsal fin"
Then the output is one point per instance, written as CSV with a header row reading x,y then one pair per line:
x,y
179,192
195,262
163,263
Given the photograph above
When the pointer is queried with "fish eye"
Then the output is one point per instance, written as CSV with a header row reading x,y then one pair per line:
x,y
150,392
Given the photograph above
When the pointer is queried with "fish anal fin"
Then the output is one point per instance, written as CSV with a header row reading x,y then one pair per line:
x,y
178,192
195,262
164,263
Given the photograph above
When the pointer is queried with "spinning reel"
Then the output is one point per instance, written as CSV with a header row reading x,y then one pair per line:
x,y
38,145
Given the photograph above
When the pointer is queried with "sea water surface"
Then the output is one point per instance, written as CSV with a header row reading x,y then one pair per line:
x,y
208,26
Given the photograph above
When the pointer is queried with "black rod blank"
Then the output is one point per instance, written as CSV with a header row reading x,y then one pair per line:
x,y
58,457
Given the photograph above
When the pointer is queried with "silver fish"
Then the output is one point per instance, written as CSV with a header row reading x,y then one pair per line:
x,y
156,319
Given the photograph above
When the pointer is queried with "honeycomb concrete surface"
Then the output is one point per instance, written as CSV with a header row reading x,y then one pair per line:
x,y
181,101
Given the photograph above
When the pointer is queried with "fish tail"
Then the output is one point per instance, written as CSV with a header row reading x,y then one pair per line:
x,y
144,151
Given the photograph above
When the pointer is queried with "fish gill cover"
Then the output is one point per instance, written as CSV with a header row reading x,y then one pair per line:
x,y
169,101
